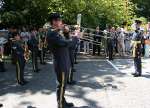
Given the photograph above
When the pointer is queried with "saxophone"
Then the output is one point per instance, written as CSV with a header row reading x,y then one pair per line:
x,y
1,54
45,43
26,52
41,43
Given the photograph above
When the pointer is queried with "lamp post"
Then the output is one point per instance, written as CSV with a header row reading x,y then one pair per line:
x,y
126,7
79,19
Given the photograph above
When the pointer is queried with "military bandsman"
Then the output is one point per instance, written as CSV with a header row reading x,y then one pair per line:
x,y
59,47
136,46
18,50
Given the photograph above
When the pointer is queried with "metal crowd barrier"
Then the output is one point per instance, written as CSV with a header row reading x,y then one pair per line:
x,y
87,38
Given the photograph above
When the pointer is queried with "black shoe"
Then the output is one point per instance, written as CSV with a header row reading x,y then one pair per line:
x,y
37,70
76,63
111,59
72,82
134,74
99,54
44,63
137,75
69,105
25,82
1,105
22,83
3,70
73,70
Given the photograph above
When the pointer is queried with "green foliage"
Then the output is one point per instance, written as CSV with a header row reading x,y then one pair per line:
x,y
142,8
24,12
94,12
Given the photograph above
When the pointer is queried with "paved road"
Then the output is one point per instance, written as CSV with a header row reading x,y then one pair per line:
x,y
101,84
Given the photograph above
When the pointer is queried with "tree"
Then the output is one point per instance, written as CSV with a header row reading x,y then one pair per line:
x,y
142,8
94,12
24,12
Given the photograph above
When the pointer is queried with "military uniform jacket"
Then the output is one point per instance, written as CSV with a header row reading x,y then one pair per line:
x,y
18,49
33,44
60,49
110,40
136,45
73,42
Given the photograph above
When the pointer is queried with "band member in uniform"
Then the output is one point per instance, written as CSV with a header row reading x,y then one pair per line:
x,y
97,38
2,67
59,47
71,54
18,49
33,46
136,46
76,38
110,43
41,40
2,42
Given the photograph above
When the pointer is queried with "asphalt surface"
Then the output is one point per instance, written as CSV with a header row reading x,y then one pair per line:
x,y
101,84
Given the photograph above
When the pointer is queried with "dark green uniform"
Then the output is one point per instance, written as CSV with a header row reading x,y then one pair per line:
x,y
97,38
71,49
137,52
110,45
18,51
2,68
33,46
41,39
59,47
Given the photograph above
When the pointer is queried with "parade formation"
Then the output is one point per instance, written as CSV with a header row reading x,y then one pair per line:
x,y
65,42
44,33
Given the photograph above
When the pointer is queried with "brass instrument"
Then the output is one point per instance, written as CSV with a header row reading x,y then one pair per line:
x,y
40,44
3,40
45,43
1,54
26,52
87,35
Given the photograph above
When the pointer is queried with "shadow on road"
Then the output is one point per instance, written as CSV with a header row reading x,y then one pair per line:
x,y
96,75
43,81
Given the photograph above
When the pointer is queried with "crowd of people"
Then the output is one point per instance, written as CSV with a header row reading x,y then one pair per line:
x,y
114,39
64,43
